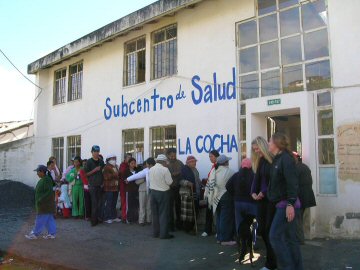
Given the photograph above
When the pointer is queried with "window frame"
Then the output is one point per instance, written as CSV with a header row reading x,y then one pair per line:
x,y
135,142
75,95
163,145
136,52
58,151
75,146
154,63
63,82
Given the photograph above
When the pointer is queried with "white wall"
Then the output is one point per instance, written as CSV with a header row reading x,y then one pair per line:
x,y
16,161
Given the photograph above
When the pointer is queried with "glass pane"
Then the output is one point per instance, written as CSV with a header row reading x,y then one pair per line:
x,y
249,60
270,83
289,22
171,32
269,55
247,33
242,130
242,109
249,86
327,181
326,151
293,79
316,44
159,36
324,99
141,43
314,15
268,27
243,150
266,6
287,3
130,47
291,50
325,122
318,75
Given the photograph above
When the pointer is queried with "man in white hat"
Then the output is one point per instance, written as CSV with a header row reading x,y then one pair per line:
x,y
160,181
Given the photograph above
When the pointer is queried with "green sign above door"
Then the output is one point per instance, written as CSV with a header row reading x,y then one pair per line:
x,y
276,101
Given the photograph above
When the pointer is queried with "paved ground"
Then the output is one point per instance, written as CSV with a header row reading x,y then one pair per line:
x,y
128,247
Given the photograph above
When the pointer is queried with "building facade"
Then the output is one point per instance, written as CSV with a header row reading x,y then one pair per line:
x,y
204,75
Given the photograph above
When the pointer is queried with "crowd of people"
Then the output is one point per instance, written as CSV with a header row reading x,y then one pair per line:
x,y
272,189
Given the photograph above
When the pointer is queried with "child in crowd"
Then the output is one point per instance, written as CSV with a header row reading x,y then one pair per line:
x,y
64,203
44,204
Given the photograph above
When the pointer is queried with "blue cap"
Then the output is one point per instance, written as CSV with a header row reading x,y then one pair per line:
x,y
95,148
41,168
222,159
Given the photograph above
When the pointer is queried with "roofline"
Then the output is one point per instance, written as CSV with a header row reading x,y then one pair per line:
x,y
110,31
10,130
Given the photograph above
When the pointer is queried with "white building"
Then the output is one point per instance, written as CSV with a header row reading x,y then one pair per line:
x,y
209,74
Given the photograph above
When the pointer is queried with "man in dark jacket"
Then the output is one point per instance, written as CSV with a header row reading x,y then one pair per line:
x,y
94,173
306,194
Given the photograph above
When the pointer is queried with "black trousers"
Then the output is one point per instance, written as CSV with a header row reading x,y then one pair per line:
x,y
87,204
160,210
266,212
175,209
96,203
209,221
132,206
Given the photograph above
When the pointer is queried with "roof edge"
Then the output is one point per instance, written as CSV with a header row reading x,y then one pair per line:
x,y
112,30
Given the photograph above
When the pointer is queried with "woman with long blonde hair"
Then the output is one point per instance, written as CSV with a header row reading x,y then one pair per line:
x,y
261,164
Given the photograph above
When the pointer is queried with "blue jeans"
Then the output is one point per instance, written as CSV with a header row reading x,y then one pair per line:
x,y
110,205
225,219
284,241
241,210
44,220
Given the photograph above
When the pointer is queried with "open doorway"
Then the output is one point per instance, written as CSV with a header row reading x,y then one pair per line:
x,y
289,125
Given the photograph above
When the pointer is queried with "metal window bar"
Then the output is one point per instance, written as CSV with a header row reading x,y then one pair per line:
x,y
73,147
58,151
75,85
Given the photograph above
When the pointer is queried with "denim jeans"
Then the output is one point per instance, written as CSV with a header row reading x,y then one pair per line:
x,y
110,205
225,219
241,210
284,241
47,221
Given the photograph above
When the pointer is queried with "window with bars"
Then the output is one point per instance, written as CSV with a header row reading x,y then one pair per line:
x,y
162,138
164,52
58,151
133,143
75,81
134,65
243,131
284,49
59,87
73,147
326,151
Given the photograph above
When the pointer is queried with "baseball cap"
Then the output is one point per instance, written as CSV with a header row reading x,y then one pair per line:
x,y
95,148
41,168
223,159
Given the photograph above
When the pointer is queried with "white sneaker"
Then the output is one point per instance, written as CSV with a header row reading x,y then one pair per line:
x,y
49,236
31,236
116,220
108,221
204,234
264,268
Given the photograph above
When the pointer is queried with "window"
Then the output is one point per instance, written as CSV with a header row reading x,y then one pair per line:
x,y
133,142
284,49
162,138
134,66
164,52
243,130
75,81
58,151
59,87
73,147
326,151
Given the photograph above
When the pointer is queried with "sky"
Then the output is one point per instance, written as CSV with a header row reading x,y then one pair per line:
x,y
31,29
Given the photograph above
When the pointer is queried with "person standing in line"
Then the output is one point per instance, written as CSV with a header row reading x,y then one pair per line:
x,y
57,173
67,170
160,181
87,199
261,165
144,196
123,171
94,167
76,189
213,155
189,193
132,191
222,202
44,205
283,191
111,189
175,166
51,169
306,195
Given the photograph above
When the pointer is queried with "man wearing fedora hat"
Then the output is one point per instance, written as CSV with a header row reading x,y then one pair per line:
x,y
160,181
